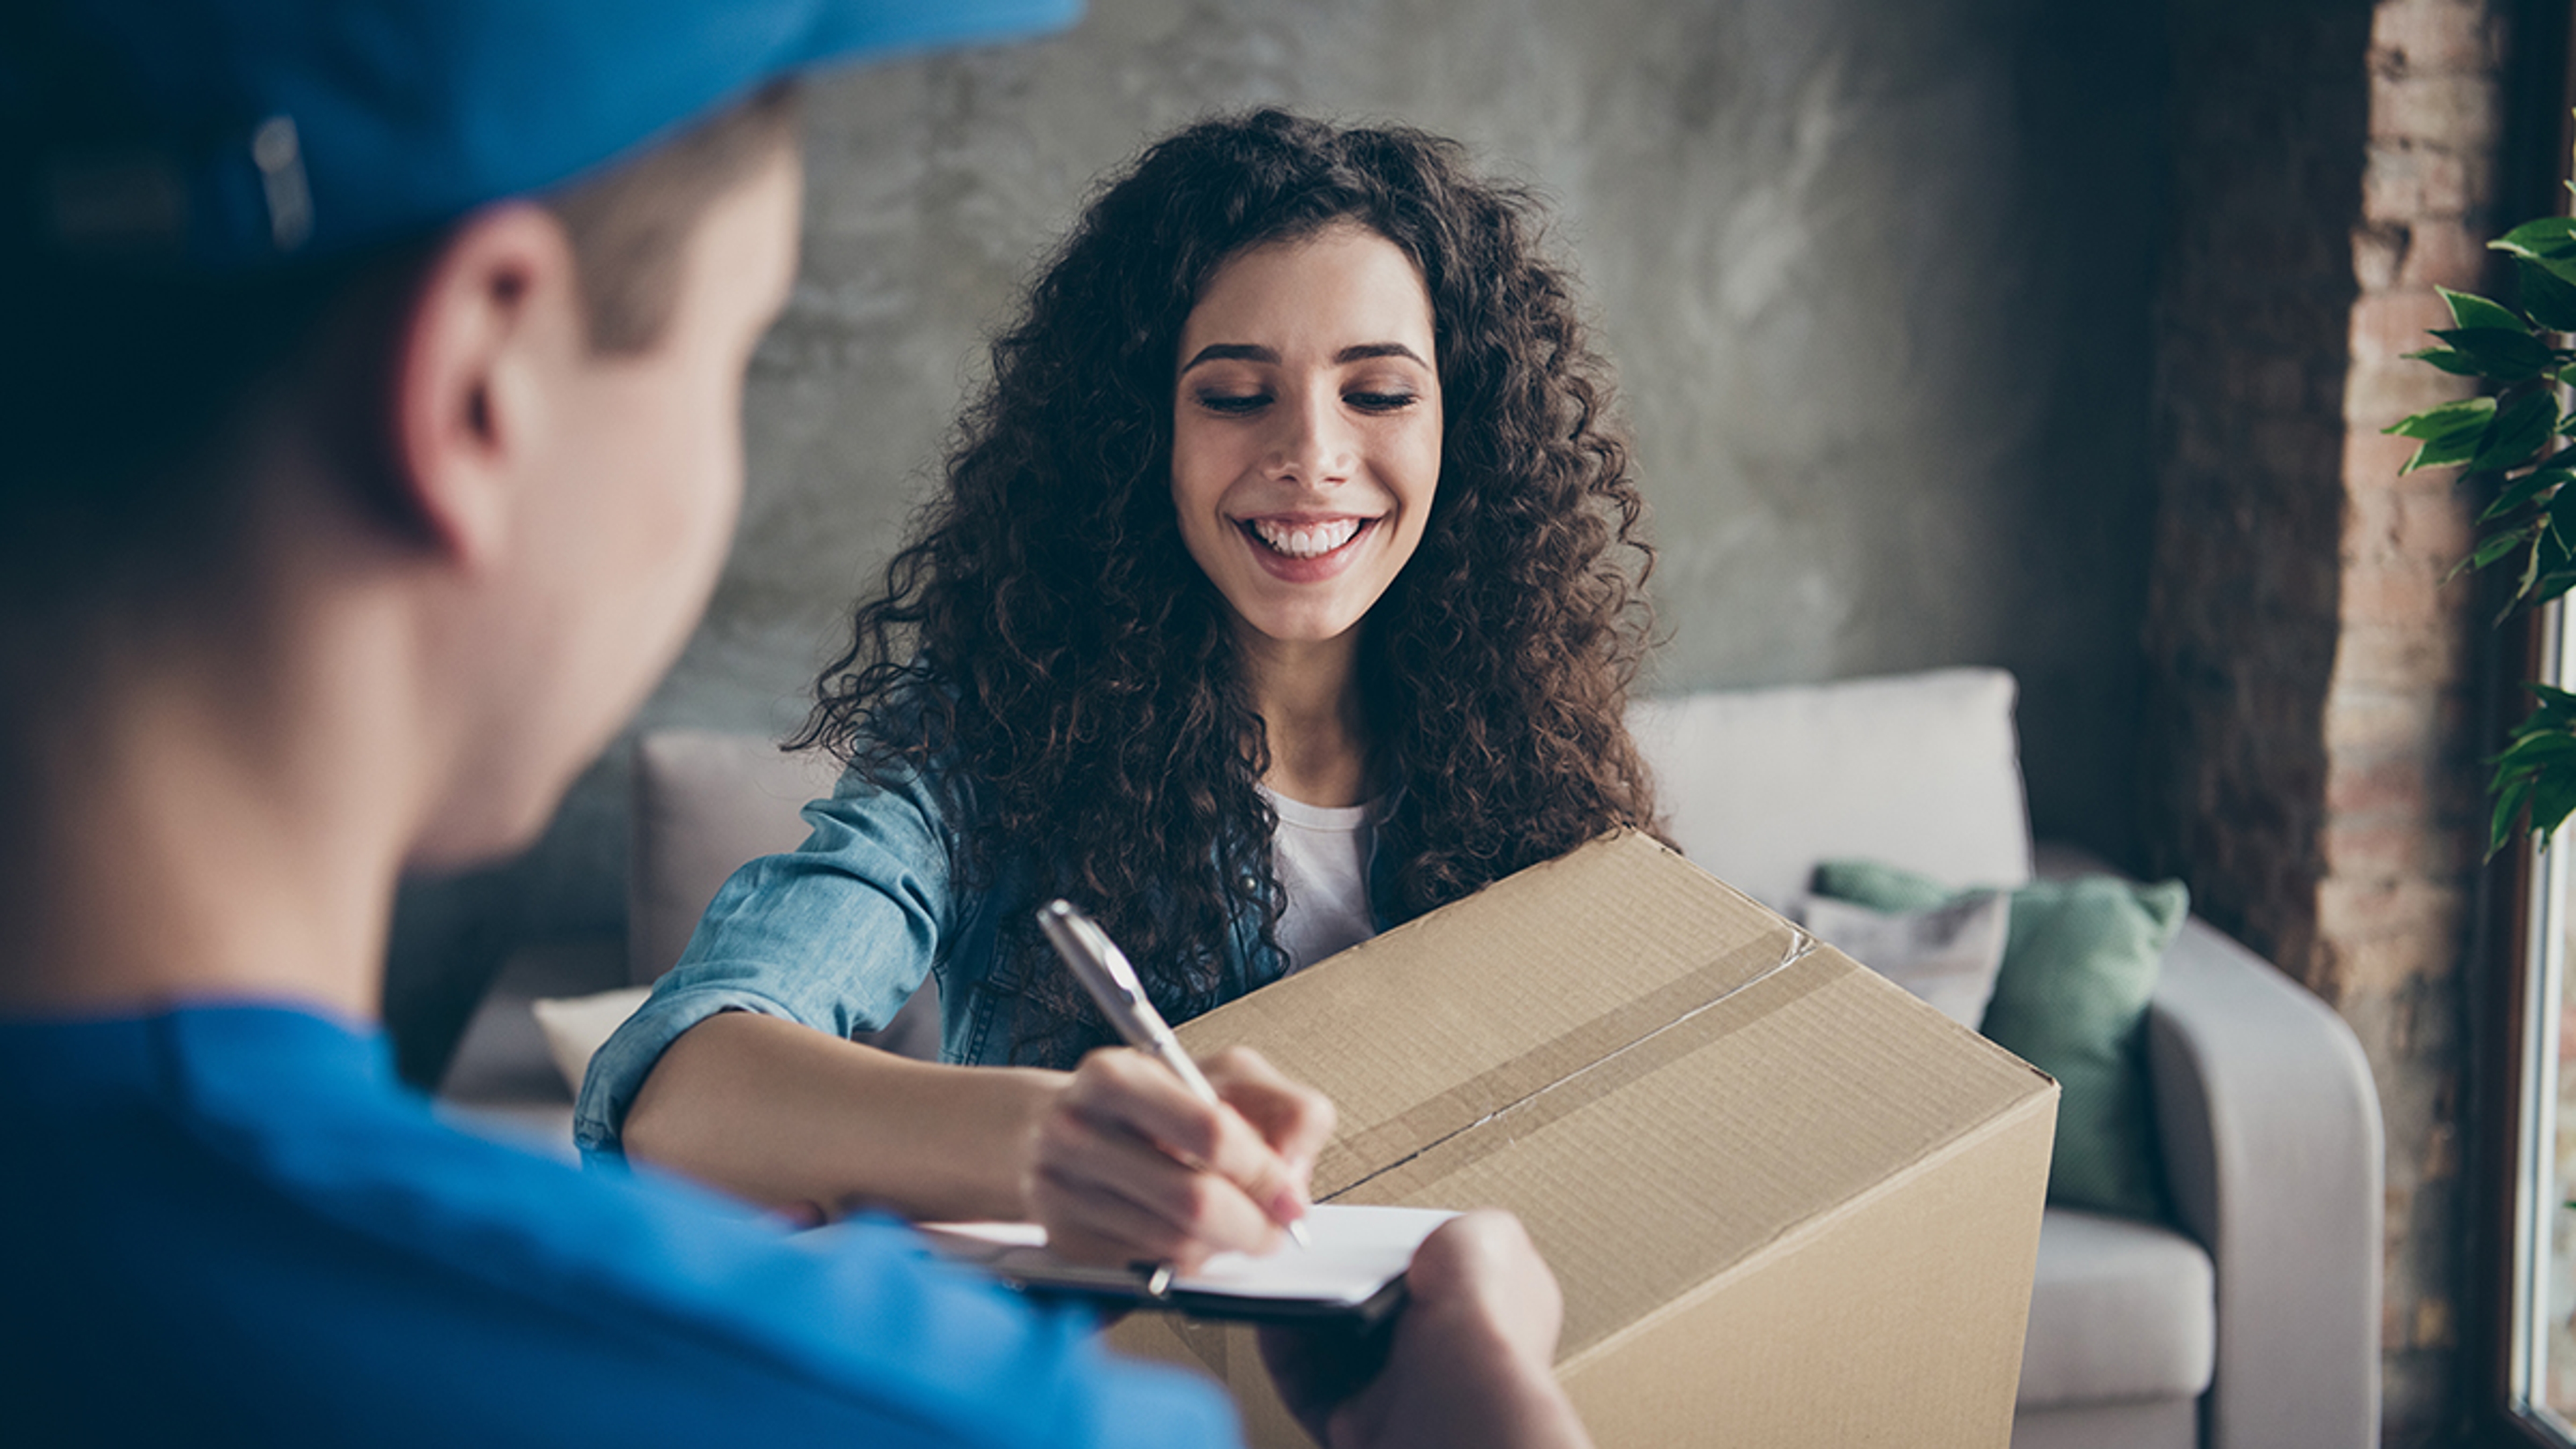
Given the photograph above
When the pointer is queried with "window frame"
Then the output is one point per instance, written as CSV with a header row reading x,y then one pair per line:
x,y
2517,957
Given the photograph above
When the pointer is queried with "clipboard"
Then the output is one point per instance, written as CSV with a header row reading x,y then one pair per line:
x,y
1353,1273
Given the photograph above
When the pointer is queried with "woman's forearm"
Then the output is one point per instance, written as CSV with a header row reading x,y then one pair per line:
x,y
787,1116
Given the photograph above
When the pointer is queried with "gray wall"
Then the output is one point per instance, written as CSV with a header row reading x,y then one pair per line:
x,y
1876,273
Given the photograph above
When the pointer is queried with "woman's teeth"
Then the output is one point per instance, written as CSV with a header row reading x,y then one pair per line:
x,y
1312,540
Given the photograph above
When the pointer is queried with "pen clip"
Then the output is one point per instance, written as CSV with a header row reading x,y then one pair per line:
x,y
1157,1276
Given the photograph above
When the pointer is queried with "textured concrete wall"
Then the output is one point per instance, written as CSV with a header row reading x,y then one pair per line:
x,y
1876,273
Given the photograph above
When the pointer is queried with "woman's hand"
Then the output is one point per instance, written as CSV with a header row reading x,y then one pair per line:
x,y
1126,1166
1468,1362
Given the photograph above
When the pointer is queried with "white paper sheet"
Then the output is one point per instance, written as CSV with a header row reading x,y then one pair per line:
x,y
1356,1250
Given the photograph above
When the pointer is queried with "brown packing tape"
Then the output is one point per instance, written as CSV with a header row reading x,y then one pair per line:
x,y
1580,1050
1622,896
1675,1035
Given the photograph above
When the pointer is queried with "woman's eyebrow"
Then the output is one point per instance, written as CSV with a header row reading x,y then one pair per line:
x,y
1251,352
1361,352
1239,351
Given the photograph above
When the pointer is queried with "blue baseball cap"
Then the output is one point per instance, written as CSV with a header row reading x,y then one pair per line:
x,y
228,135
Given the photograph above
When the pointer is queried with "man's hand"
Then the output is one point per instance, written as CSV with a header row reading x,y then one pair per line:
x,y
1126,1165
1468,1362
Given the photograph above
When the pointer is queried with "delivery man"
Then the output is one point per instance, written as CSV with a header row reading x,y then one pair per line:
x,y
372,385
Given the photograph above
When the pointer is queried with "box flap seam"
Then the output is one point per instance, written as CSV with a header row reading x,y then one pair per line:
x,y
1797,948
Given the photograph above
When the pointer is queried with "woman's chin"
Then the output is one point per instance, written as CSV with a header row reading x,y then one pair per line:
x,y
1298,628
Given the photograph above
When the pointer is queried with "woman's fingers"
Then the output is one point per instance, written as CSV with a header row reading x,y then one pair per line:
x,y
1129,1165
1087,1225
1106,1182
1294,1122
1130,1089
1293,1118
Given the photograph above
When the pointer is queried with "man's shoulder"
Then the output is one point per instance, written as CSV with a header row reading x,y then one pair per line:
x,y
305,1236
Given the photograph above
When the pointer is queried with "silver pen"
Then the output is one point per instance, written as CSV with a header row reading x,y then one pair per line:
x,y
1105,972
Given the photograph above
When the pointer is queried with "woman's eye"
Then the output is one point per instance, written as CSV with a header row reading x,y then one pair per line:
x,y
1380,402
1224,402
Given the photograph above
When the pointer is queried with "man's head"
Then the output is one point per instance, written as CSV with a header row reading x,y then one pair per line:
x,y
129,373
562,419
528,419
437,310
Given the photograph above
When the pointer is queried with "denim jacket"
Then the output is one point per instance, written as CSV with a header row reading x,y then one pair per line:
x,y
838,933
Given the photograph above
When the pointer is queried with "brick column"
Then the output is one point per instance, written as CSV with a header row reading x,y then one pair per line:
x,y
2402,792
2308,768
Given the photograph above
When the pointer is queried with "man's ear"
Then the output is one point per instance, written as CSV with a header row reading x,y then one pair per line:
x,y
496,318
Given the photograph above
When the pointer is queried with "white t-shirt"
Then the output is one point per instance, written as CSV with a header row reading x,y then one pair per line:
x,y
1321,857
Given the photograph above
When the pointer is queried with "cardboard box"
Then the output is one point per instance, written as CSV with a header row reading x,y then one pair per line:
x,y
1789,1204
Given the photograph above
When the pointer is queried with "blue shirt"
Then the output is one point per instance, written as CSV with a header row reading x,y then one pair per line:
x,y
840,932
230,1224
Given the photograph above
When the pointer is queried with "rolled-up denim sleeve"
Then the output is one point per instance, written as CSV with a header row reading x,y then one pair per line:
x,y
836,934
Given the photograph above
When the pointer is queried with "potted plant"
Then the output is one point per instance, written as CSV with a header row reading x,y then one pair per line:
x,y
2515,441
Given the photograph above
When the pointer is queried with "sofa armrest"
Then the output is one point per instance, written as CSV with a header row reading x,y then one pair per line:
x,y
2272,1149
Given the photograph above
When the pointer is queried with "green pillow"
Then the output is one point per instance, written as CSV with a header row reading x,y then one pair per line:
x,y
2071,1000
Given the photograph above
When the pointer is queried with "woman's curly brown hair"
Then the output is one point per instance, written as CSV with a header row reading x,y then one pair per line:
x,y
1047,637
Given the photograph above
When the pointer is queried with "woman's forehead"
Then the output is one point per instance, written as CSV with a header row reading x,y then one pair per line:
x,y
1313,290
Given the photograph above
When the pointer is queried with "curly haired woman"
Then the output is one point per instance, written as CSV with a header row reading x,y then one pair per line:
x,y
1284,587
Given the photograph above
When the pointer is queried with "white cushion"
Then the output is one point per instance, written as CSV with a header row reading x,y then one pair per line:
x,y
576,1027
1947,956
705,803
2119,1310
1921,771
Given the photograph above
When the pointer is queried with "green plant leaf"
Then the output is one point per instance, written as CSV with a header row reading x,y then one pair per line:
x,y
2551,708
2452,446
2553,798
2551,238
2466,415
2528,488
2539,752
2458,364
2506,356
2550,584
2491,549
2547,297
2516,433
2474,312
2444,453
2510,797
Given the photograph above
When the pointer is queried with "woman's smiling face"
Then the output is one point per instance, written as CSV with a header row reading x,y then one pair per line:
x,y
1306,430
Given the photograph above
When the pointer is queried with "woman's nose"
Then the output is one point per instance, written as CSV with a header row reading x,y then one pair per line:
x,y
1314,443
